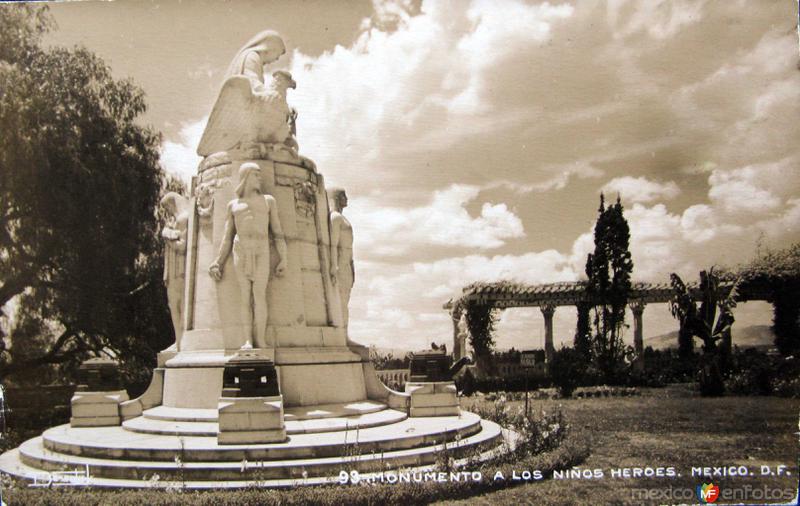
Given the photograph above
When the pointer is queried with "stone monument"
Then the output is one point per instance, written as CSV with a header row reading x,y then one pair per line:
x,y
259,270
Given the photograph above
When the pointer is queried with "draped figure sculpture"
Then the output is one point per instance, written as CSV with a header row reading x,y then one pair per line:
x,y
176,207
249,221
249,112
342,267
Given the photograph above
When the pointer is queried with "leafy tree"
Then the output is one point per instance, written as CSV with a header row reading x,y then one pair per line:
x,y
388,361
79,187
777,273
481,321
711,322
609,270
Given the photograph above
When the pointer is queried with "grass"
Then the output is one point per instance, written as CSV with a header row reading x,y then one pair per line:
x,y
667,427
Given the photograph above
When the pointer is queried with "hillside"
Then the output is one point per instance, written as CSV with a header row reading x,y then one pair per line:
x,y
754,336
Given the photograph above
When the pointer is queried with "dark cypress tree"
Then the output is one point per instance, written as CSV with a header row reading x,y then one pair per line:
x,y
609,271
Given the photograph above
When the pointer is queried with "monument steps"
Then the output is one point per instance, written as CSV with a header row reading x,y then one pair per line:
x,y
116,443
314,412
34,455
167,427
301,420
11,462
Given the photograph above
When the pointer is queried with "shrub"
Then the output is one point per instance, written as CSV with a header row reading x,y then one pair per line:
x,y
567,370
709,378
751,373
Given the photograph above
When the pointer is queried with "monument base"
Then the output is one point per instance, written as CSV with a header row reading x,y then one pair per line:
x,y
97,409
434,398
193,379
244,420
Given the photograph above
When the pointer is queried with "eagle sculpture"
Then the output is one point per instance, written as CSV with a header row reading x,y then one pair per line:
x,y
245,114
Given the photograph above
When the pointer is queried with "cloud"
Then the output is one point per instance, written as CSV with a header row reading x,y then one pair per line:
x,y
754,191
747,205
558,181
640,189
443,221
397,304
179,158
737,192
422,85
659,19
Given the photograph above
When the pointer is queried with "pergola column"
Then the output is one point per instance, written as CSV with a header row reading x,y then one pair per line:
x,y
548,310
637,308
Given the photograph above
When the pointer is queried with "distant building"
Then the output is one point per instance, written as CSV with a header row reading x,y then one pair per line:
x,y
507,364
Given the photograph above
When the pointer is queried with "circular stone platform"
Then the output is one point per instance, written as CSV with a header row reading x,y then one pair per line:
x,y
123,457
299,420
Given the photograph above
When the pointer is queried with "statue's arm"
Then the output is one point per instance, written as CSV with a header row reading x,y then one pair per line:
x,y
182,227
228,233
277,234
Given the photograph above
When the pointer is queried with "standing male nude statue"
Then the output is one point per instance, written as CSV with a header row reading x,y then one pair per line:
x,y
343,272
249,220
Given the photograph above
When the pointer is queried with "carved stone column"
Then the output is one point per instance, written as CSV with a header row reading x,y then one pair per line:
x,y
637,308
548,310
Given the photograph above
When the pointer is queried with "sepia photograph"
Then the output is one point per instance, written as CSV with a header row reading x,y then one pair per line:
x,y
399,252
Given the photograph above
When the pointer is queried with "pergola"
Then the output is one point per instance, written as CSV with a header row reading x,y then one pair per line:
x,y
504,294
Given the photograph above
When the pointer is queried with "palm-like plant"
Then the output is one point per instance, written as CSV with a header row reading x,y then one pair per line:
x,y
711,322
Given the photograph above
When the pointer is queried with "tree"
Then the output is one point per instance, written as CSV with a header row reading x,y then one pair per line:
x,y
777,273
583,331
711,322
79,187
567,370
481,320
609,270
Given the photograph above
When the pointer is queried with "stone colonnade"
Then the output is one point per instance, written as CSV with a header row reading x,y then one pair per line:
x,y
637,308
548,310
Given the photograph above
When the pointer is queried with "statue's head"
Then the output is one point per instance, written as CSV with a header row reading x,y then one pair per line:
x,y
285,78
337,198
249,179
268,44
169,203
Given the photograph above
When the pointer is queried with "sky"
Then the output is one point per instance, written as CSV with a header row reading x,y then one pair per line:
x,y
474,137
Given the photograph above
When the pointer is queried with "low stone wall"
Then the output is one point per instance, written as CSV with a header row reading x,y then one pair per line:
x,y
395,379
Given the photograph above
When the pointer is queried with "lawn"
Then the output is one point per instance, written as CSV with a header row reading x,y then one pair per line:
x,y
668,427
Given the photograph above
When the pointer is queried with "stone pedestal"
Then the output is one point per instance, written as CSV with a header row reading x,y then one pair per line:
x,y
250,409
96,402
429,366
435,398
251,420
97,409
